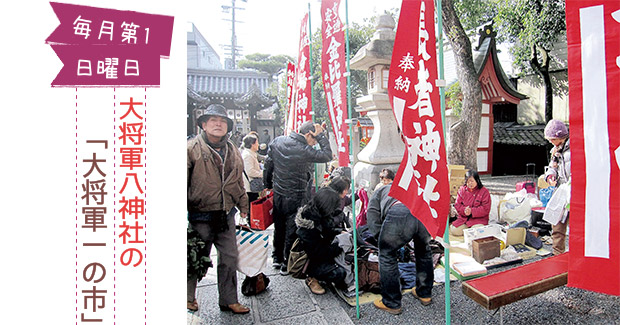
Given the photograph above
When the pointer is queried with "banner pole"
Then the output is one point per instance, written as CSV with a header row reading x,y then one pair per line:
x,y
288,105
442,97
316,172
350,113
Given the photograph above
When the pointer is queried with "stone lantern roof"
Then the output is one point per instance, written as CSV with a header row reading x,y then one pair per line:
x,y
379,49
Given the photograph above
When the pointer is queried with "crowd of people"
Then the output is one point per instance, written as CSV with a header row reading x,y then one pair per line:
x,y
221,180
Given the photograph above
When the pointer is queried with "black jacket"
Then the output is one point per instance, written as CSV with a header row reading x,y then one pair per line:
x,y
316,238
379,204
289,163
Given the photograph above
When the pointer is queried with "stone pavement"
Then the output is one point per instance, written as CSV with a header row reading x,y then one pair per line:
x,y
286,301
289,301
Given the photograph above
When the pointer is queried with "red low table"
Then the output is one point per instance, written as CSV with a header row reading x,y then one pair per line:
x,y
499,289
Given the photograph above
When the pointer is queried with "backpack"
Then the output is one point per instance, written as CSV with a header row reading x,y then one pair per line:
x,y
297,261
253,285
369,277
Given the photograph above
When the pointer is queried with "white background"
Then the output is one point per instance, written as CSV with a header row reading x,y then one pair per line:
x,y
37,166
37,126
272,26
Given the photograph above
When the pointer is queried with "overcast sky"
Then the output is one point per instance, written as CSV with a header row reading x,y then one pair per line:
x,y
271,26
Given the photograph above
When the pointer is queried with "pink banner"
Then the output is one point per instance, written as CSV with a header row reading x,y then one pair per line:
x,y
421,182
290,88
333,64
593,34
302,101
290,81
106,47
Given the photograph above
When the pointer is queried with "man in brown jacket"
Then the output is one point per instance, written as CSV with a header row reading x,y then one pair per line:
x,y
214,189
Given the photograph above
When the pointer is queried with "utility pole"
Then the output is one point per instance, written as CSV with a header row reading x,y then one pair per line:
x,y
234,49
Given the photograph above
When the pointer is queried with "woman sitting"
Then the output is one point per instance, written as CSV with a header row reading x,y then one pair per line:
x,y
316,237
473,203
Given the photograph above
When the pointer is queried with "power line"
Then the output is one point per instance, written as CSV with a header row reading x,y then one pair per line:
x,y
233,48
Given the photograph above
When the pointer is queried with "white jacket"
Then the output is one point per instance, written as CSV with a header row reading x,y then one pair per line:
x,y
250,166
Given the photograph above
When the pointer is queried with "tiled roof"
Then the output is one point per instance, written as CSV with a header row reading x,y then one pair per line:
x,y
513,133
487,49
365,121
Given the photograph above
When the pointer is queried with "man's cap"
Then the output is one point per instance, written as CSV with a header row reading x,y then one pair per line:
x,y
215,110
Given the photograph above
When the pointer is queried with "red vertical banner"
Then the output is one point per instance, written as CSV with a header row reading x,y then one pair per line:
x,y
290,80
302,100
290,93
593,35
333,62
421,182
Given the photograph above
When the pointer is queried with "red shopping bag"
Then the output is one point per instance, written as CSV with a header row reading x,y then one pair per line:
x,y
261,212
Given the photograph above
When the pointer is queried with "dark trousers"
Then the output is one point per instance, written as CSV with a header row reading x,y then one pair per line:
x,y
226,244
252,196
399,228
285,230
332,273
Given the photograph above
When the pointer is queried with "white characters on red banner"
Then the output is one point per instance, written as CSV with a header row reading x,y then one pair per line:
x,y
421,181
427,141
302,104
334,80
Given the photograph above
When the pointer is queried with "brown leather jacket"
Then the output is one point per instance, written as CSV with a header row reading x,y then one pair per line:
x,y
211,184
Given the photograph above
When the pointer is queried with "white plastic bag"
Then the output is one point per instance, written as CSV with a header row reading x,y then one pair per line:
x,y
494,213
556,207
515,209
252,247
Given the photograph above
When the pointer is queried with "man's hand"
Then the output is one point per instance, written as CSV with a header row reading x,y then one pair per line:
x,y
317,130
467,211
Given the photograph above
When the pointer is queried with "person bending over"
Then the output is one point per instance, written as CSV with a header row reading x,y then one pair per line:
x,y
316,237
395,226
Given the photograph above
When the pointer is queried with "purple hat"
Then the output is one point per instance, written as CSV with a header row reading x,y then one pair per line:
x,y
556,129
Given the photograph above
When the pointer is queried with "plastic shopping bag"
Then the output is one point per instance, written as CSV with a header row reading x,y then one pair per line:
x,y
545,194
556,210
252,247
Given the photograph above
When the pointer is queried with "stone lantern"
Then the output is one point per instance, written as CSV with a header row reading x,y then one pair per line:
x,y
385,149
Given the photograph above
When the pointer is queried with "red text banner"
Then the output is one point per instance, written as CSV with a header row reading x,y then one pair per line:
x,y
302,101
593,34
290,93
421,182
333,65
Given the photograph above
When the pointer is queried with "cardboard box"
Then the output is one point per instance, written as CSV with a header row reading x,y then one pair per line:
x,y
485,231
457,178
454,187
485,248
515,236
524,251
457,170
